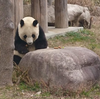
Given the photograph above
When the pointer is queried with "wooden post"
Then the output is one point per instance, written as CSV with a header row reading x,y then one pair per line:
x,y
39,12
61,14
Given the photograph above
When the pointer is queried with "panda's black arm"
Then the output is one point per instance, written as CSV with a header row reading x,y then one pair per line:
x,y
21,48
41,42
20,45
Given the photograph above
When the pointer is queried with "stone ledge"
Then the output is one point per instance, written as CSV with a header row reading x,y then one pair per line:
x,y
52,31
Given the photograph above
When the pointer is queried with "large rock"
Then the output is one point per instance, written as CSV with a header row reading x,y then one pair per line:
x,y
69,68
85,18
77,15
51,15
74,11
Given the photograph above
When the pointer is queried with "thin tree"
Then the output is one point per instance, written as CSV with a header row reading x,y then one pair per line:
x,y
6,42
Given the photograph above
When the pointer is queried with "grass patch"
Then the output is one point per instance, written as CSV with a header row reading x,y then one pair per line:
x,y
83,38
82,35
94,91
24,86
46,94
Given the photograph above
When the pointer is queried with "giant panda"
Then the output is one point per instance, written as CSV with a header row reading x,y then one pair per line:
x,y
29,36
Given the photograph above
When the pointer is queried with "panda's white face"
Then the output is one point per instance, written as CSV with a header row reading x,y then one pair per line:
x,y
28,32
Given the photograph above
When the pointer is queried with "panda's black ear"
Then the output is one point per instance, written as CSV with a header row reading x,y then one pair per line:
x,y
35,22
21,23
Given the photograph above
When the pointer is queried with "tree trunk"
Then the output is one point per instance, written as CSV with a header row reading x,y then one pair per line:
x,y
6,42
18,12
61,14
39,12
49,2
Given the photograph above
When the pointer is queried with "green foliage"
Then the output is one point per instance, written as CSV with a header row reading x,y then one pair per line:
x,y
85,93
78,36
46,94
24,86
82,35
95,90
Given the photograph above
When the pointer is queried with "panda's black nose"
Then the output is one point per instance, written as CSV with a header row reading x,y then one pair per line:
x,y
30,43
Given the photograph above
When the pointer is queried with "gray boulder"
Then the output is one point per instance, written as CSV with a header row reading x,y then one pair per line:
x,y
74,11
70,68
85,18
51,16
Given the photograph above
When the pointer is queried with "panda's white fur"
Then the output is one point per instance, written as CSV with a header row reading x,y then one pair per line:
x,y
35,38
30,48
28,30
18,54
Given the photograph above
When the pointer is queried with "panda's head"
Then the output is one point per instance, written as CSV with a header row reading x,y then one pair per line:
x,y
28,30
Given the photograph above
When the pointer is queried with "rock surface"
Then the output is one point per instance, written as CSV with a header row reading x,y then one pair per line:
x,y
69,68
51,15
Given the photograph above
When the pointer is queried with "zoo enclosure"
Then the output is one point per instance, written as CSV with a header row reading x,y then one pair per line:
x,y
39,12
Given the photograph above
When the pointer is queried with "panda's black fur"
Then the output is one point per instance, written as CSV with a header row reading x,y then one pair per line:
x,y
21,46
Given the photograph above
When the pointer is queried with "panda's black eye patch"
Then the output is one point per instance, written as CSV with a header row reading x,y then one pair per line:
x,y
21,23
25,36
33,35
35,23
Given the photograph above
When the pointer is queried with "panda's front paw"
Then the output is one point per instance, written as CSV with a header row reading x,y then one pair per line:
x,y
24,51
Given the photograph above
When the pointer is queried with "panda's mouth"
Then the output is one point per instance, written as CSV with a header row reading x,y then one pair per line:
x,y
29,41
